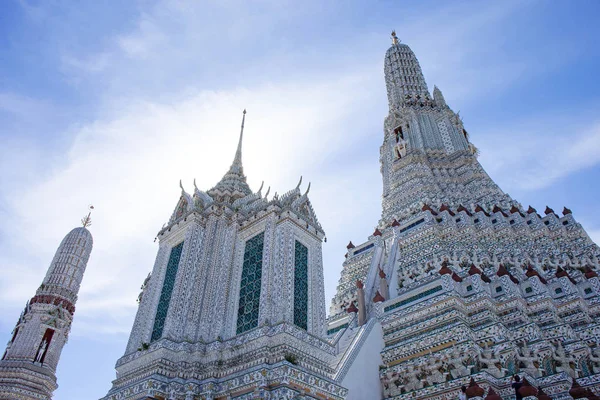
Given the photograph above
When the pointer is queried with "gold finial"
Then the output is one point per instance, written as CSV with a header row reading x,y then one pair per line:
x,y
394,38
87,221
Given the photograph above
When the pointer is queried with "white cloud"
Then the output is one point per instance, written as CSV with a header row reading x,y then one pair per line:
x,y
144,40
536,153
91,65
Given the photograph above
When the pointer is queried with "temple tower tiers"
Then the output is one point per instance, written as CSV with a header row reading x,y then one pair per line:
x,y
234,306
28,366
426,156
463,281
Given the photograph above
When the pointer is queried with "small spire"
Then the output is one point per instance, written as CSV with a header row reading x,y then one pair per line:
x,y
237,161
395,38
87,221
234,179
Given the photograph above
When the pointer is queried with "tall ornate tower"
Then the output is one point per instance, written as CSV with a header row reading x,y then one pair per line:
x,y
28,366
234,307
439,163
465,283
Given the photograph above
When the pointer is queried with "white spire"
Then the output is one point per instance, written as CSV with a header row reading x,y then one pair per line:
x,y
234,180
236,167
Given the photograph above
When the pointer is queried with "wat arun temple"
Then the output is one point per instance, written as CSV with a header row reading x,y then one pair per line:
x,y
458,285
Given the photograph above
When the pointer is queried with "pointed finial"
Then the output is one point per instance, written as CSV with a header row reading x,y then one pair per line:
x,y
195,187
237,161
87,221
299,183
181,186
395,38
307,189
260,189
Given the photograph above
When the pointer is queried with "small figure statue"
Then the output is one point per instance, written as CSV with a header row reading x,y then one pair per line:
x,y
435,376
457,359
412,378
389,379
564,361
41,351
529,360
490,359
595,359
400,148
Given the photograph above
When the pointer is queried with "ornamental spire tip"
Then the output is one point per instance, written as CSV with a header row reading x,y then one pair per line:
x,y
395,38
87,220
236,166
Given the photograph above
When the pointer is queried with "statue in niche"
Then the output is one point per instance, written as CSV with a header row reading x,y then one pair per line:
x,y
457,361
400,148
435,375
412,379
564,361
41,351
489,358
529,360
595,359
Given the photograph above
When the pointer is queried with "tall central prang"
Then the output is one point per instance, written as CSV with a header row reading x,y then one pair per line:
x,y
426,156
459,284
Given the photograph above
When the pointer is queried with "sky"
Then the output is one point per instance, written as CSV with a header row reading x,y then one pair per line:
x,y
111,103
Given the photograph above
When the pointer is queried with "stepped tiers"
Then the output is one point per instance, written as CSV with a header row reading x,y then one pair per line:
x,y
28,366
462,281
458,284
426,155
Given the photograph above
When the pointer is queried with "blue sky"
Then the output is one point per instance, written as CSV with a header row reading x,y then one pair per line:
x,y
113,102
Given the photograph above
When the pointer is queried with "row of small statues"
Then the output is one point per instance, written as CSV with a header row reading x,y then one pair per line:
x,y
457,364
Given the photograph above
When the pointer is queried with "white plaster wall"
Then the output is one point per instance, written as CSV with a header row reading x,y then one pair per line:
x,y
362,379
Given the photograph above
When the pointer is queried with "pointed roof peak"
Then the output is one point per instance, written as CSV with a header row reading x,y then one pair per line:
x,y
236,166
235,180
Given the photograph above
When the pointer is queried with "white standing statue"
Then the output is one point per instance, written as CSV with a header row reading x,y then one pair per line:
x,y
457,359
595,359
41,351
389,379
412,377
435,375
526,357
564,361
400,148
490,359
